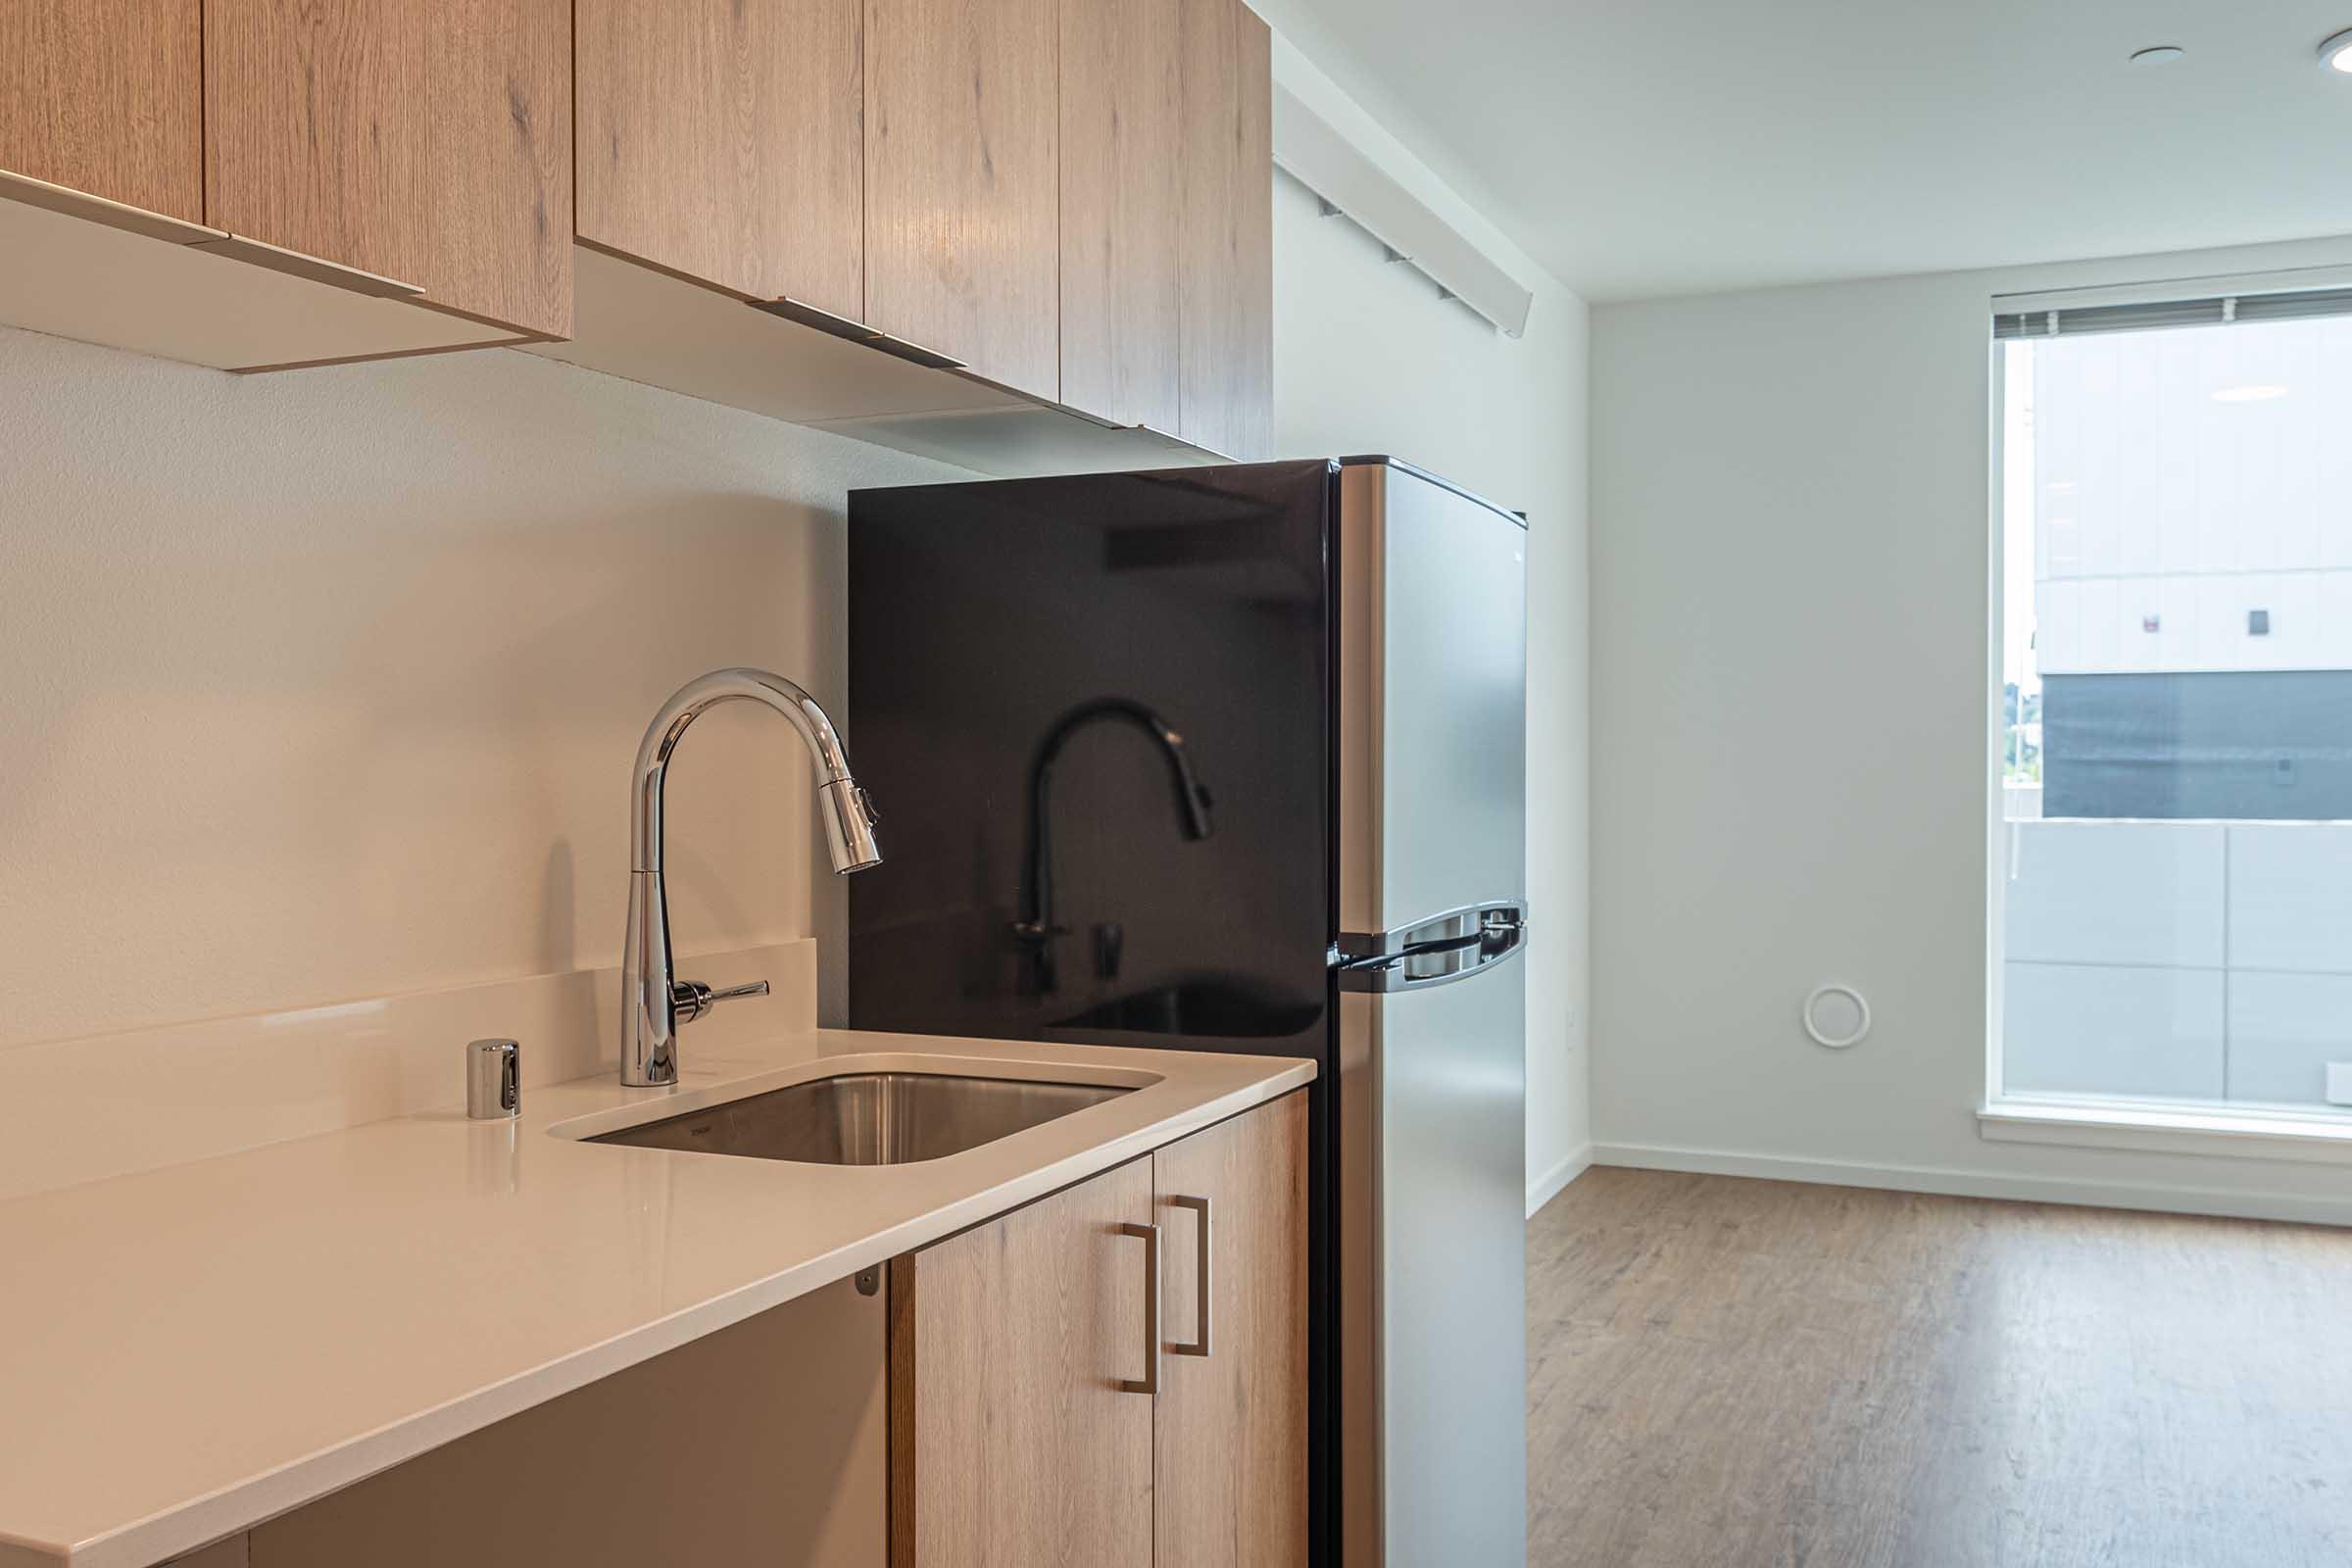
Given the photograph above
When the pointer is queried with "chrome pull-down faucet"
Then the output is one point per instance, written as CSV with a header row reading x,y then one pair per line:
x,y
654,1001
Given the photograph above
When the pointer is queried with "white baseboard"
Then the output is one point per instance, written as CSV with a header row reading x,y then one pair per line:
x,y
2223,1201
1543,1189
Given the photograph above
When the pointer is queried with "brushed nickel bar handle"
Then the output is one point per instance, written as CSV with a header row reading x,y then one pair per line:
x,y
1203,1290
1149,1383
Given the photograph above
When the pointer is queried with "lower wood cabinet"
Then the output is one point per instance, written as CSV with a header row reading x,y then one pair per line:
x,y
1020,1428
1117,1375
1230,1484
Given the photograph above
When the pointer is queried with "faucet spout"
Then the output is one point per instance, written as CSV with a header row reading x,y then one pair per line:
x,y
649,984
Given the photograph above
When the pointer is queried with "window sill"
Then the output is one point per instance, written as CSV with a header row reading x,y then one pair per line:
x,y
2232,1134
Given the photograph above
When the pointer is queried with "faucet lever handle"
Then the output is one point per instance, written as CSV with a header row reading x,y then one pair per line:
x,y
692,999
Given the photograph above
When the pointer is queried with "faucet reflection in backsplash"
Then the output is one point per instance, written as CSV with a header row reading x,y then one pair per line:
x,y
654,1001
1035,931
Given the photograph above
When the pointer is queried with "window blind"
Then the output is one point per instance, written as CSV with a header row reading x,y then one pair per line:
x,y
2213,311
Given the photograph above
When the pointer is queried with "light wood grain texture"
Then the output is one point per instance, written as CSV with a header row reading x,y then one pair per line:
x,y
105,96
1230,1490
1227,358
763,1443
1012,1442
962,239
1726,1373
724,140
1121,83
428,142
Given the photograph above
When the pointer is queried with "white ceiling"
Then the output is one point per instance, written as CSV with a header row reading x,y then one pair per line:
x,y
1646,147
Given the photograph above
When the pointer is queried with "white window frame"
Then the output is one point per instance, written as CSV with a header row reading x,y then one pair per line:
x,y
2091,1121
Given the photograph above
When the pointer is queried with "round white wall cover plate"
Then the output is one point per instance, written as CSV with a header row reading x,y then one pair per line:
x,y
1836,1016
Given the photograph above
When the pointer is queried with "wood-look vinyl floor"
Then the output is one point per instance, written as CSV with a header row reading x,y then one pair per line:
x,y
1725,1373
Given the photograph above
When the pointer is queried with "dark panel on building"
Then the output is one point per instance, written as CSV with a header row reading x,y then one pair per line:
x,y
2246,745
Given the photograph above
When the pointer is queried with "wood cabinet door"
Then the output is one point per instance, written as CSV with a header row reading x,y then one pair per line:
x,y
1228,256
427,142
1121,83
724,140
1015,1438
962,237
1230,1484
105,96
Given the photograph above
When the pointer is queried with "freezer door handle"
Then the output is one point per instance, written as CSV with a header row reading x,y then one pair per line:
x,y
1439,951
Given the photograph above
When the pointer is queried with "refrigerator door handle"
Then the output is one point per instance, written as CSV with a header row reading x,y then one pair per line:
x,y
1438,950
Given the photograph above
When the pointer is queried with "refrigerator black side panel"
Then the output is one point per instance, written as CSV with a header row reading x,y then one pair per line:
x,y
998,627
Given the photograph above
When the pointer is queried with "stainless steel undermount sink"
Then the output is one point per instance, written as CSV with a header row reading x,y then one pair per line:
x,y
867,1118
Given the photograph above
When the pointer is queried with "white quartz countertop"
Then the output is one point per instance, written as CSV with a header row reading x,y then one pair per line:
x,y
188,1350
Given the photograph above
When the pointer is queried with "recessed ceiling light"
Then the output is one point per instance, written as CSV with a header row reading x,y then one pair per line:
x,y
2163,54
2259,392
2336,53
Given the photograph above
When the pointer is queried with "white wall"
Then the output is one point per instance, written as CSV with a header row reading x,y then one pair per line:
x,y
326,684
1368,358
1790,547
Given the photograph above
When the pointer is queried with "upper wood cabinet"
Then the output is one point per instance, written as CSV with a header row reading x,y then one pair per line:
x,y
1019,1428
724,140
1228,254
427,142
962,232
106,97
1055,214
1230,1488
1121,87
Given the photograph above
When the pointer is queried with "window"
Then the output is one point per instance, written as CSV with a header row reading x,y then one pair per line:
x,y
2175,744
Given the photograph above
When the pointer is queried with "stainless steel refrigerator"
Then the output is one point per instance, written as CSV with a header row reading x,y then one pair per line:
x,y
1234,759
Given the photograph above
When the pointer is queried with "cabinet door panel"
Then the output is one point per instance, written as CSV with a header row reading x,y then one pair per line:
x,y
724,140
962,232
423,140
1228,259
1120,88
1231,1491
1012,1439
105,96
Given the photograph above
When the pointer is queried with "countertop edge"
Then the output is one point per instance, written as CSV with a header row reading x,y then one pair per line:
x,y
245,1504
